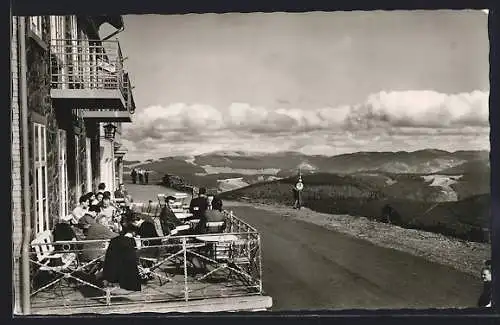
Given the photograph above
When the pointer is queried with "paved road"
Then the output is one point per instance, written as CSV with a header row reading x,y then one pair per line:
x,y
306,266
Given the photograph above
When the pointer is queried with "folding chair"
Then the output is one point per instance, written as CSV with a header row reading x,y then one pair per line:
x,y
46,257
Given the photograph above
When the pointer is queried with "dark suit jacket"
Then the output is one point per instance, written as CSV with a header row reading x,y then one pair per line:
x,y
168,220
120,263
120,195
200,213
202,204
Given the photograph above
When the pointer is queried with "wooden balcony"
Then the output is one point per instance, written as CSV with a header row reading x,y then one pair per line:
x,y
89,76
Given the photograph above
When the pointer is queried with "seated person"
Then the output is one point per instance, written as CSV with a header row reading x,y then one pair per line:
x,y
81,209
216,215
99,196
121,193
97,230
101,188
64,232
146,229
121,261
107,209
168,220
198,207
85,221
91,197
95,203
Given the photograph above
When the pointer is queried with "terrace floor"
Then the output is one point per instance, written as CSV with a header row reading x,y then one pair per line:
x,y
155,296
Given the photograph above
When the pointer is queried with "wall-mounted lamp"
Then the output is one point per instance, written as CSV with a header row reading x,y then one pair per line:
x,y
109,131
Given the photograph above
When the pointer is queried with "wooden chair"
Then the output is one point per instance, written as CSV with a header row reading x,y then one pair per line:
x,y
48,260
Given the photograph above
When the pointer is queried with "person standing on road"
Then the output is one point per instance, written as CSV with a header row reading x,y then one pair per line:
x,y
134,176
141,176
146,176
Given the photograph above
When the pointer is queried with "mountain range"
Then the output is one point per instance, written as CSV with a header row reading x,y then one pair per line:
x,y
228,170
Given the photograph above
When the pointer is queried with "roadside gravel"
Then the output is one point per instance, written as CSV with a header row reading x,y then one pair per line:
x,y
464,256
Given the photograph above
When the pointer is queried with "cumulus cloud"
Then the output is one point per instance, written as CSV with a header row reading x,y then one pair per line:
x,y
417,115
420,109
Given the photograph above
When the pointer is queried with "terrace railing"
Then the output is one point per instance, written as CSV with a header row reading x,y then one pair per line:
x,y
232,269
89,64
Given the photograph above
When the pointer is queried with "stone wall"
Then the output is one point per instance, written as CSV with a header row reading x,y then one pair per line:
x,y
40,108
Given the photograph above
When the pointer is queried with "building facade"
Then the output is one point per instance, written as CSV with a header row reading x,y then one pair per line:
x,y
69,87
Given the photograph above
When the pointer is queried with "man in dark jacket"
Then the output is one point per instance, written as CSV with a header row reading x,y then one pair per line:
x,y
198,207
96,231
168,220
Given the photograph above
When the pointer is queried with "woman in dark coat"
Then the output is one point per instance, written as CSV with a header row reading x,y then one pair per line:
x,y
121,261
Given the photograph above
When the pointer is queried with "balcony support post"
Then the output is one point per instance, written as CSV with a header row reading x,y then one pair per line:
x,y
26,238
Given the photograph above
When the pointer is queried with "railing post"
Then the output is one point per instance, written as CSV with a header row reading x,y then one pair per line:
x,y
186,293
260,264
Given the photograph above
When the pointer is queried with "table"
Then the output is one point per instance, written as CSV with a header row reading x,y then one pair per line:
x,y
217,238
183,215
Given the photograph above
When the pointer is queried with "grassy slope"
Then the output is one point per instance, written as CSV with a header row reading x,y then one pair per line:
x,y
366,196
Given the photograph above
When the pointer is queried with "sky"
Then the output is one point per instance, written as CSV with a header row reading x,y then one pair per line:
x,y
317,83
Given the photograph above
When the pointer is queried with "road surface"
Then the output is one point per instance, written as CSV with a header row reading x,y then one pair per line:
x,y
306,266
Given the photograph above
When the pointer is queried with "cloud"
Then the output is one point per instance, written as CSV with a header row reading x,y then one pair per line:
x,y
411,117
420,109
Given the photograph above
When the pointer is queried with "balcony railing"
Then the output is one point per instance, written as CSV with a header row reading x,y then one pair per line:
x,y
232,269
94,67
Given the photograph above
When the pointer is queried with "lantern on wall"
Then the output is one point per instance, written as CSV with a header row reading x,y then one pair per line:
x,y
109,131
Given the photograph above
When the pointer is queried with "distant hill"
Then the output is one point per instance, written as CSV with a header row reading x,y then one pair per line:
x,y
414,201
212,168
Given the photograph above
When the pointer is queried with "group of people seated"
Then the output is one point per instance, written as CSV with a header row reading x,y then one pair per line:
x,y
207,211
98,217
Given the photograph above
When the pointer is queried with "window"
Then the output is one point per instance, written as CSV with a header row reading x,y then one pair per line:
x,y
63,174
36,25
89,165
40,181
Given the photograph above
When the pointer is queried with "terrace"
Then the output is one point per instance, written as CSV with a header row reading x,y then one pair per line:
x,y
231,279
89,75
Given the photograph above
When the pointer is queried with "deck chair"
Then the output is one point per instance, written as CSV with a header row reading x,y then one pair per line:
x,y
49,261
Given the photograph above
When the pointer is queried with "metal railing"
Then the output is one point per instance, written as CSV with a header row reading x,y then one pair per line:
x,y
89,64
231,268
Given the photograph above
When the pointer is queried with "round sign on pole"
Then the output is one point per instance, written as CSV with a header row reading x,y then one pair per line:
x,y
299,186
